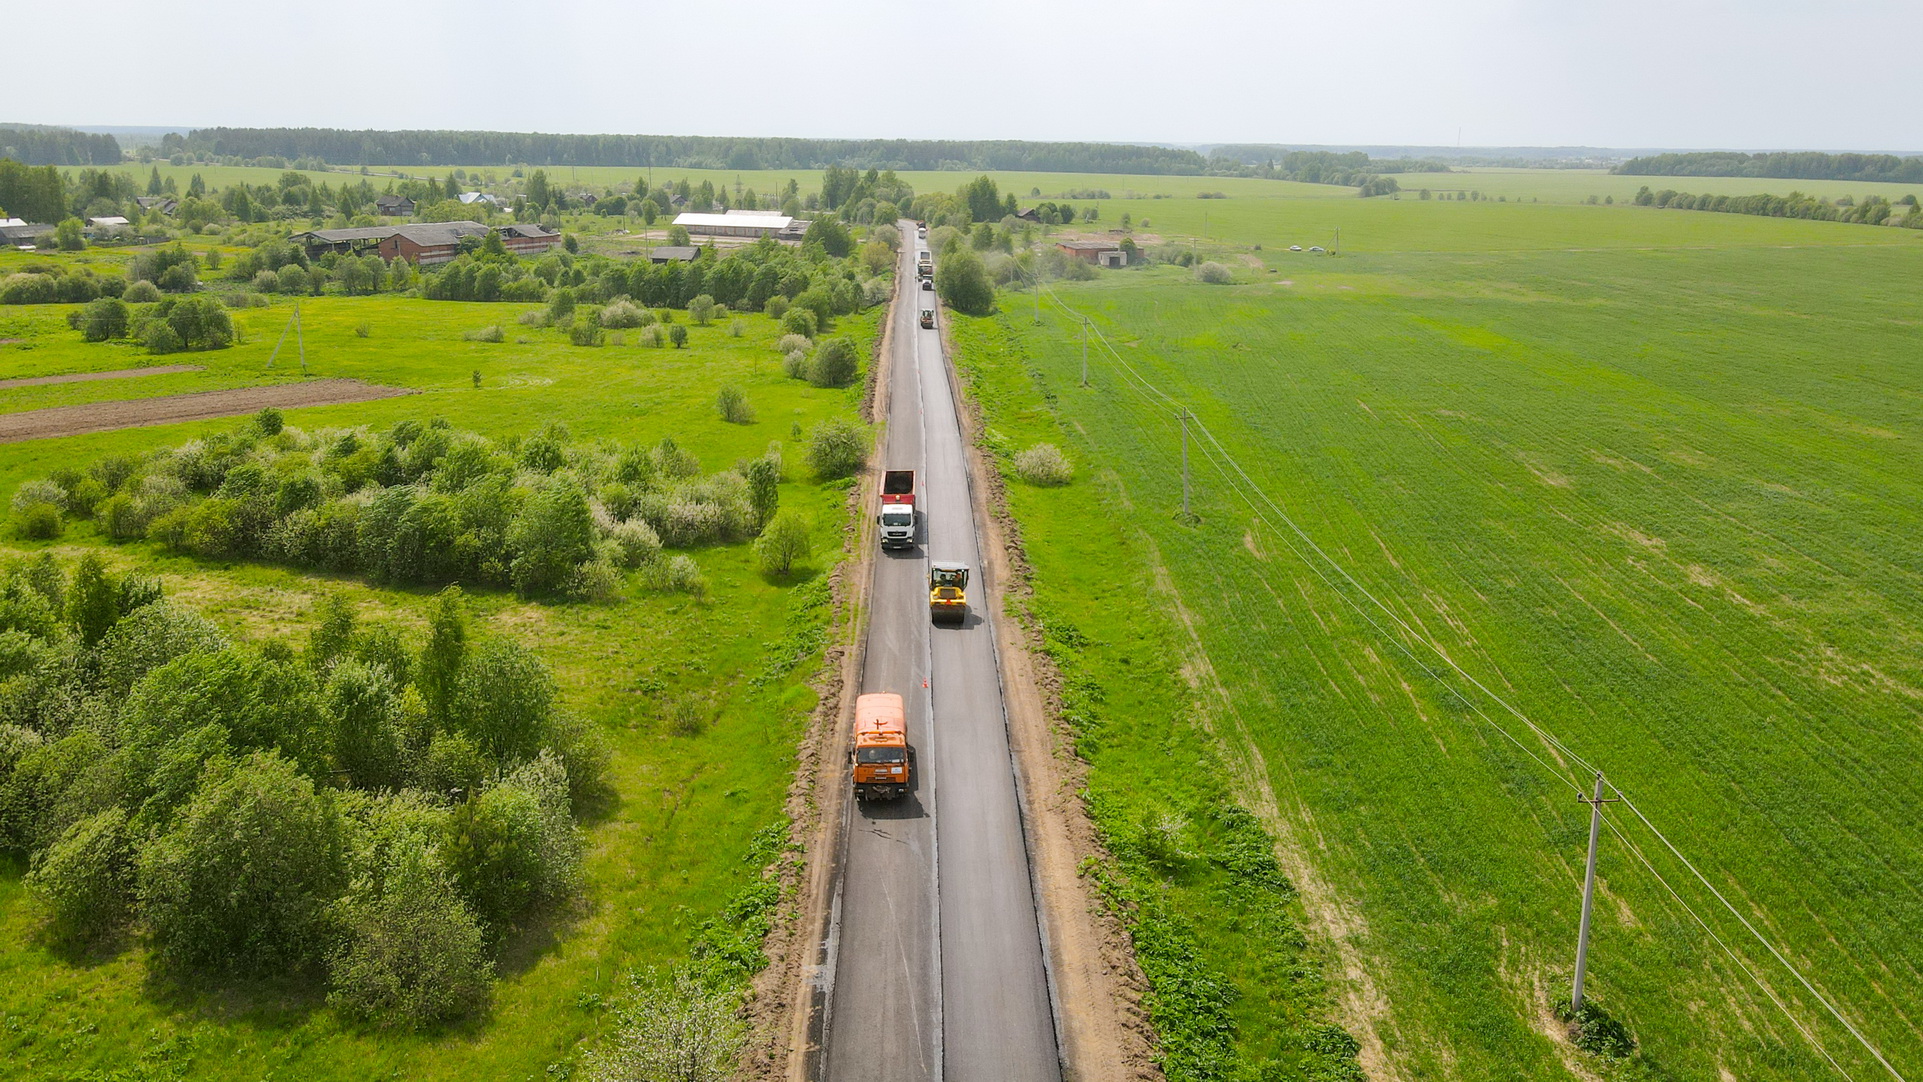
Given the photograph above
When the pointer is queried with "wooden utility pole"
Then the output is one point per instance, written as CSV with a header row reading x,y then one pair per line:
x,y
1185,465
1588,894
1084,351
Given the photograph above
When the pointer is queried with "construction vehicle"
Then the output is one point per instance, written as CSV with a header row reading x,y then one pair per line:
x,y
928,317
925,266
880,759
897,516
947,596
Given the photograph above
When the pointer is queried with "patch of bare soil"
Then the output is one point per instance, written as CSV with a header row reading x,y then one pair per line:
x,y
174,409
1097,988
784,1008
85,377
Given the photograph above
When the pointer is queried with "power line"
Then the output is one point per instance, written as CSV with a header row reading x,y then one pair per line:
x,y
1241,483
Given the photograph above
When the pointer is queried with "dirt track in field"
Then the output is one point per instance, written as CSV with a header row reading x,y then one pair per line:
x,y
84,377
174,409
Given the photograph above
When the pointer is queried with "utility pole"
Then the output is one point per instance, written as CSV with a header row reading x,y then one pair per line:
x,y
1084,351
1184,415
1336,248
1588,894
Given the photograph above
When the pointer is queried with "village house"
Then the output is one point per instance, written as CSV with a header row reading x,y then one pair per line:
x,y
428,244
673,253
394,206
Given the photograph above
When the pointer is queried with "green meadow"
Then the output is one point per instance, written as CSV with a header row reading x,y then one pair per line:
x,y
673,848
1653,478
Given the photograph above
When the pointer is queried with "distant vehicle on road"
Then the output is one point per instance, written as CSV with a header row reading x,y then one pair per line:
x,y
881,763
1295,247
1316,248
897,516
928,283
928,317
947,593
925,266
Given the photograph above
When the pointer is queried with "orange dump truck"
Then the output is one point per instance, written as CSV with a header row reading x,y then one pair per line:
x,y
881,747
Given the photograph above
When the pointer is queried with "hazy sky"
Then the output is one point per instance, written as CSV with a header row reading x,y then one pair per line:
x,y
1842,74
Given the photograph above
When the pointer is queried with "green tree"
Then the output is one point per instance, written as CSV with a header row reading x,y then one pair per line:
x,y
552,535
515,845
783,543
331,637
962,281
93,602
764,487
241,882
678,335
412,953
827,232
86,877
365,709
837,448
504,700
446,649
835,363
68,235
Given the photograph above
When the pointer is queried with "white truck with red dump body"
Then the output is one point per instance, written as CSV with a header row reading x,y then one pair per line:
x,y
897,516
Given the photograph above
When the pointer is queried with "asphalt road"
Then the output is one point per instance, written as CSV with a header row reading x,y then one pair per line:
x,y
935,950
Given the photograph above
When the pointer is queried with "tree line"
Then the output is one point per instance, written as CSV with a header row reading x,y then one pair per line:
x,y
1786,165
34,145
368,814
695,152
1873,210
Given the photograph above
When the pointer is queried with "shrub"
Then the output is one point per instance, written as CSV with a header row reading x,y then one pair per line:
x,y
652,336
678,335
515,845
365,711
635,542
486,334
688,1032
1044,465
793,343
363,329
795,365
701,309
241,882
598,580
783,543
553,533
837,448
736,328
85,879
412,953
585,333
39,522
834,364
1213,273
777,306
266,282
140,291
801,321
622,314
676,574
732,403
504,699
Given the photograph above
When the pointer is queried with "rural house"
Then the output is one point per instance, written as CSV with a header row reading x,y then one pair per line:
x,y
1102,253
165,204
107,226
428,244
394,206
23,234
673,253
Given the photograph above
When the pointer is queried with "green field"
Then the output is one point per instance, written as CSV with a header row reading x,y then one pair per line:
x,y
669,854
1653,478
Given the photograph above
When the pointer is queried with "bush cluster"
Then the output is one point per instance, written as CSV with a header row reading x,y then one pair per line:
x,y
41,283
1044,465
373,811
417,503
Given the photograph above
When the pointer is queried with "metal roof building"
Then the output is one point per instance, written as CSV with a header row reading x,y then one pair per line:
x,y
748,224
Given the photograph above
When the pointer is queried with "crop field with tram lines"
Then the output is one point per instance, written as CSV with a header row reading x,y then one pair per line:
x,y
1650,478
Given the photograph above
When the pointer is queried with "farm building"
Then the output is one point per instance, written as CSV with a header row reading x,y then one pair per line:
x,y
110,224
1099,252
427,244
394,206
748,224
673,253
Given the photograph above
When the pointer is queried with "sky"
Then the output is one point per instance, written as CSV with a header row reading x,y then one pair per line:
x,y
1749,74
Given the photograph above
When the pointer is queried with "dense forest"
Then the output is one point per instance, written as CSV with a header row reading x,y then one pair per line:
x,y
692,152
34,145
1312,166
1798,165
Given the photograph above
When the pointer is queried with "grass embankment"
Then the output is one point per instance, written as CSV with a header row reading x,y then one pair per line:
x,y
1664,502
681,842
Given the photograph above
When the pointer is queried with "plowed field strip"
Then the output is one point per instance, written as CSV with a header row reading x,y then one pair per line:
x,y
173,409
83,377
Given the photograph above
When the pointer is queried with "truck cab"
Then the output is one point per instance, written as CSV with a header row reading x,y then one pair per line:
x,y
880,759
928,317
947,593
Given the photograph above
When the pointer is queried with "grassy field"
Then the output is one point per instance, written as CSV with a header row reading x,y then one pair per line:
x,y
1662,497
667,857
